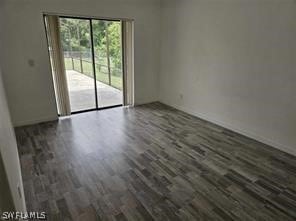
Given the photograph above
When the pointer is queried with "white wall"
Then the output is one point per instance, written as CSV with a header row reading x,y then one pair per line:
x,y
6,203
9,153
233,62
10,178
30,89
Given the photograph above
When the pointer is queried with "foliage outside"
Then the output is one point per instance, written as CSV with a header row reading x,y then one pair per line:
x,y
75,36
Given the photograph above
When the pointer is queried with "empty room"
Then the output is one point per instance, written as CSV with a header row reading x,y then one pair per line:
x,y
148,110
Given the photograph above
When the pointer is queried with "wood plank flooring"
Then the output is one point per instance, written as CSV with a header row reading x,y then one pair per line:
x,y
152,162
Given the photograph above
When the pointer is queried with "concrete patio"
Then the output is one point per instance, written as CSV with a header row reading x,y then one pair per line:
x,y
82,94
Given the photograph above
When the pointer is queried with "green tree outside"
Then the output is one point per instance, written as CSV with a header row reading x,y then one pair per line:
x,y
75,36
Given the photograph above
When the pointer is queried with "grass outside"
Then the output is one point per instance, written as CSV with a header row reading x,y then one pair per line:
x,y
116,81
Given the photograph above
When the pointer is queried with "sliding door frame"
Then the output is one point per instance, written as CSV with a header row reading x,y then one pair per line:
x,y
93,62
90,19
123,65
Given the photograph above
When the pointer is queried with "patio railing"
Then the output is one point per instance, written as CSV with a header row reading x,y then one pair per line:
x,y
82,62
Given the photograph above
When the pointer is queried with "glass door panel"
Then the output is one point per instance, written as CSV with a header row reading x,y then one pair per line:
x,y
76,42
108,62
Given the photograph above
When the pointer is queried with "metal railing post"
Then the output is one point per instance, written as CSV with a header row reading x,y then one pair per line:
x,y
108,53
81,66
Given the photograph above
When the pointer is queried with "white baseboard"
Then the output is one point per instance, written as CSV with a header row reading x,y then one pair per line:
x,y
242,131
138,103
35,121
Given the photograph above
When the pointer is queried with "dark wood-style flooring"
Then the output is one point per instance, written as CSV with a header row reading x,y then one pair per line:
x,y
152,162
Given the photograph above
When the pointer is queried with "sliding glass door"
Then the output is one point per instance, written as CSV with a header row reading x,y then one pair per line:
x,y
93,62
76,42
108,62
